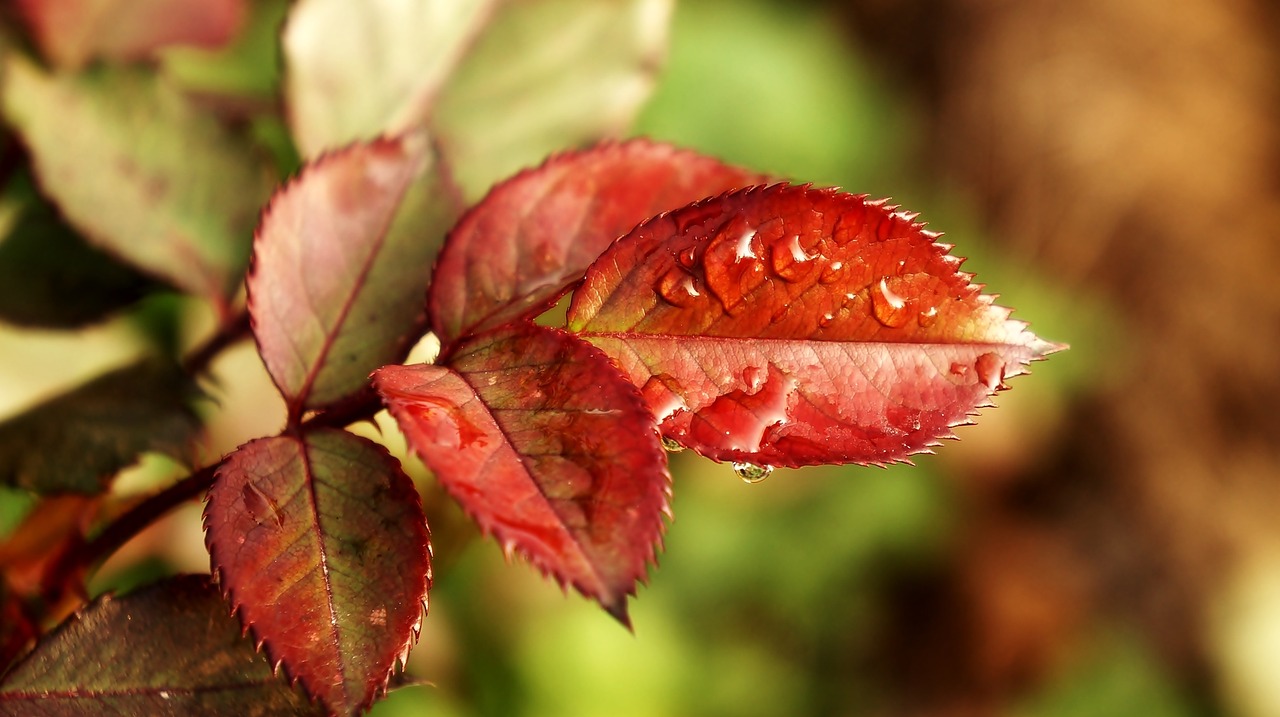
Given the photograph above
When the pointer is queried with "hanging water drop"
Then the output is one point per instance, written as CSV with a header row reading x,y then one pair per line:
x,y
751,472
672,445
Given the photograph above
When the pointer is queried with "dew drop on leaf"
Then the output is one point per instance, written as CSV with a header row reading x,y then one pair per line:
x,y
990,369
261,507
678,287
889,308
752,473
790,260
672,445
928,317
831,273
753,377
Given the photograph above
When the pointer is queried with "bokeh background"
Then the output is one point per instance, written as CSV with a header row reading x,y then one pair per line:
x,y
1102,543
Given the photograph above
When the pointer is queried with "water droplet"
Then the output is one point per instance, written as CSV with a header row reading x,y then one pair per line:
x,y
745,248
928,316
826,320
753,377
959,369
888,307
752,473
990,370
791,261
678,287
672,445
831,273
687,258
261,507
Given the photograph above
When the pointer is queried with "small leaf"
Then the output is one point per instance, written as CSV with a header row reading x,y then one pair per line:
x,y
548,448
796,326
518,250
320,544
359,70
78,441
49,277
140,172
585,68
340,268
72,32
168,649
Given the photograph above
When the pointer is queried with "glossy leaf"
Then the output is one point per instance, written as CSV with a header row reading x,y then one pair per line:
x,y
340,268
71,32
140,172
584,69
50,277
320,544
168,649
548,448
796,326
359,70
517,251
78,441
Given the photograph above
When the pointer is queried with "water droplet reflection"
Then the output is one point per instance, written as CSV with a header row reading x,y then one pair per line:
x,y
889,308
672,445
752,473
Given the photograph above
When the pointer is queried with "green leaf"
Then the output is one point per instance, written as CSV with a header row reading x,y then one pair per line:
x,y
168,649
320,545
548,75
356,70
78,441
50,277
140,172
501,85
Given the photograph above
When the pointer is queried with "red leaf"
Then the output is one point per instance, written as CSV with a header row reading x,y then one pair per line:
x,y
71,32
548,448
518,250
797,326
341,262
320,544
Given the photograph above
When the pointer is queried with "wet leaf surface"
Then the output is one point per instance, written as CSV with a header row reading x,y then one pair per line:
x,y
548,448
518,250
320,545
796,326
340,268
140,172
78,441
168,649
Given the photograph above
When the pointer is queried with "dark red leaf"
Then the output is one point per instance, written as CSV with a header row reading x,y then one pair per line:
x,y
340,268
520,248
168,649
320,544
71,32
548,448
796,326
